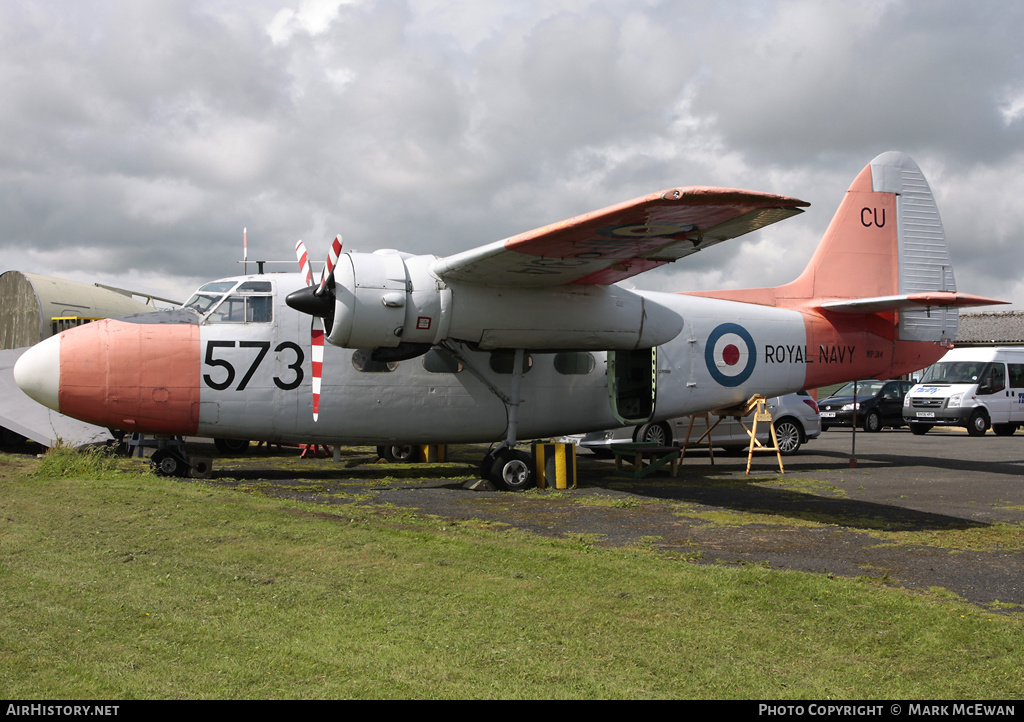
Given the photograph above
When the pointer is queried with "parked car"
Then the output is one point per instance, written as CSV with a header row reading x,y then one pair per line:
x,y
795,418
878,404
970,387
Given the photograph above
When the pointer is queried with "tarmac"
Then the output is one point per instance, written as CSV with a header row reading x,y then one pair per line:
x,y
942,511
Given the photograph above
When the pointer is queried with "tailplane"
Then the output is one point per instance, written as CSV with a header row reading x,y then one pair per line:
x,y
881,280
885,251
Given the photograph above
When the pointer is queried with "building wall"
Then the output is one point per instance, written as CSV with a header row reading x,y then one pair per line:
x,y
991,328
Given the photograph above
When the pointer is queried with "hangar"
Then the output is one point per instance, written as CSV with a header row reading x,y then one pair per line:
x,y
991,328
34,307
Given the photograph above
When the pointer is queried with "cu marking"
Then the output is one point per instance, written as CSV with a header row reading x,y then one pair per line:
x,y
870,217
730,355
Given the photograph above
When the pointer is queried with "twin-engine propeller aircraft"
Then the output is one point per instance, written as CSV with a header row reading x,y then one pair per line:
x,y
525,338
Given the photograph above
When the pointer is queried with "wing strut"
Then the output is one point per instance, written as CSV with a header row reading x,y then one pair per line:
x,y
512,469
514,400
505,466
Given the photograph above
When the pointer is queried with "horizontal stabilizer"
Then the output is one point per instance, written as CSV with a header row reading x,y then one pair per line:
x,y
932,299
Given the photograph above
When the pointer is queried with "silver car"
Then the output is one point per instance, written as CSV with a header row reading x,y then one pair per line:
x,y
795,417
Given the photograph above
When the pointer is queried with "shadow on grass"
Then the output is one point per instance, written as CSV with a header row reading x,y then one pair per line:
x,y
723,486
726,486
752,497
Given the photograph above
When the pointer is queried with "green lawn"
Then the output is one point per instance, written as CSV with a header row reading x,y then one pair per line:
x,y
131,586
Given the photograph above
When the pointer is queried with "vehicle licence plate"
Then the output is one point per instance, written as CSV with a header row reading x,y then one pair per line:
x,y
828,414
926,414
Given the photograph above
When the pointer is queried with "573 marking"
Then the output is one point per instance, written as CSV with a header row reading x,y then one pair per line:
x,y
261,347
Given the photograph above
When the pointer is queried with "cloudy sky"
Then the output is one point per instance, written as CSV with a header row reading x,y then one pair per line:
x,y
137,139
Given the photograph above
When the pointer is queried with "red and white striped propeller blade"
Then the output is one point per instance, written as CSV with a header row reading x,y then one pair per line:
x,y
332,260
318,365
317,326
307,272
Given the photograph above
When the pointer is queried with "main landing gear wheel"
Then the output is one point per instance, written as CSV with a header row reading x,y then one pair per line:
x,y
400,454
232,446
167,463
509,469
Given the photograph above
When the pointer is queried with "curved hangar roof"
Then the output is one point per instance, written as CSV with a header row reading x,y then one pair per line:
x,y
30,302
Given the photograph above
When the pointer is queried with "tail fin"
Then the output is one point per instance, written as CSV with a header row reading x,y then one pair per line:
x,y
885,251
881,279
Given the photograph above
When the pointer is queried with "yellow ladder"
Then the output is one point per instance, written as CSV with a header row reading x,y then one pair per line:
x,y
762,414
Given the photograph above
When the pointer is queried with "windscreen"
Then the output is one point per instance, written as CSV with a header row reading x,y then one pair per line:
x,y
955,372
864,389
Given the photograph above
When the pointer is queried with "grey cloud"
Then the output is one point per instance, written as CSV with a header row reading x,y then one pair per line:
x,y
153,132
838,77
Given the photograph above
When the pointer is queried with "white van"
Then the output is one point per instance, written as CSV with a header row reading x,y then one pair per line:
x,y
972,387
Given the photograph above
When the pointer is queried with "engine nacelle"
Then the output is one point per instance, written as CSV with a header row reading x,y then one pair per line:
x,y
373,293
386,298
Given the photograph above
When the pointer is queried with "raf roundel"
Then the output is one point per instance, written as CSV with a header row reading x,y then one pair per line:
x,y
730,354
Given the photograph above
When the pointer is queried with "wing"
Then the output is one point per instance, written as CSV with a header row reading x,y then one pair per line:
x,y
620,241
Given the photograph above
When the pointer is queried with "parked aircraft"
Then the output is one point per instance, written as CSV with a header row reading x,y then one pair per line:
x,y
528,337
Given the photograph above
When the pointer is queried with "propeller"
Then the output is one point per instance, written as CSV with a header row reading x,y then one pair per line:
x,y
318,302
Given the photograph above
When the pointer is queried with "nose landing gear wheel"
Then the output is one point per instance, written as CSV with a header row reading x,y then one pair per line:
x,y
167,463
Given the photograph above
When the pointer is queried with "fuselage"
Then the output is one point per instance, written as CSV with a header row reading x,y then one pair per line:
x,y
242,369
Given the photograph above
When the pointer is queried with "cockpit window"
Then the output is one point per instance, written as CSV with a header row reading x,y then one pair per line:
x,y
202,302
218,286
250,302
255,287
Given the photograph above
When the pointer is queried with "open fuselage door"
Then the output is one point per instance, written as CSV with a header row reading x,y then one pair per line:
x,y
632,384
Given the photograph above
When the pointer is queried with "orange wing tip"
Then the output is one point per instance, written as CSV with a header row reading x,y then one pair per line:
x,y
708,195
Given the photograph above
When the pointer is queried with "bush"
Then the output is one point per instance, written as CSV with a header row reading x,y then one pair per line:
x,y
63,461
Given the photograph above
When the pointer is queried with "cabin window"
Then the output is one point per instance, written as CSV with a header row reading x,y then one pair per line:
x,y
574,363
436,361
363,361
503,362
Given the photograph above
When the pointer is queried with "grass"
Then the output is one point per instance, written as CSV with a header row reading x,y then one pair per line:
x,y
116,584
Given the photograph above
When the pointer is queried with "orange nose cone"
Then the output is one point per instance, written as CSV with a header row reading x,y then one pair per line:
x,y
131,376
